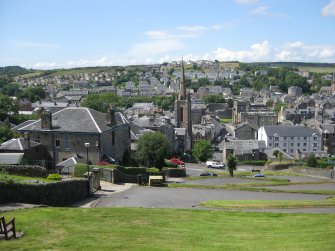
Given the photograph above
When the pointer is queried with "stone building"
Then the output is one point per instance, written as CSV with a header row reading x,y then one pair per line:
x,y
64,134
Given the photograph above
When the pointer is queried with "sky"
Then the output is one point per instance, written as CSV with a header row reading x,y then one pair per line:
x,y
49,34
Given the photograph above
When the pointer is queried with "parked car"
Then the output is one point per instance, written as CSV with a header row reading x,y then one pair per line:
x,y
208,174
214,164
177,161
259,175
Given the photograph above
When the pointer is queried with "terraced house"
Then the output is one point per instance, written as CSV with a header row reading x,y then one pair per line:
x,y
291,139
64,134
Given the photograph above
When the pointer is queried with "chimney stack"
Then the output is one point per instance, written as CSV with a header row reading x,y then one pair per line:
x,y
110,117
46,120
26,140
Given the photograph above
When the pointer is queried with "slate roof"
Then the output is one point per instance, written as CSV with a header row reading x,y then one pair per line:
x,y
11,158
16,144
288,131
242,146
78,119
23,124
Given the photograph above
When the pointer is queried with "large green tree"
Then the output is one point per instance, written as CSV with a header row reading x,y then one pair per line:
x,y
231,164
8,107
214,98
202,150
152,147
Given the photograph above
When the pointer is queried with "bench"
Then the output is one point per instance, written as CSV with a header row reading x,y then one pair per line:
x,y
7,228
155,180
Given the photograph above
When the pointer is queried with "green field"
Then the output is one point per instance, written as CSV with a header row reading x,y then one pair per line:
x,y
317,69
168,229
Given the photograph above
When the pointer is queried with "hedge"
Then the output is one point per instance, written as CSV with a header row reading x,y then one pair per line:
x,y
153,171
52,194
253,162
132,170
175,172
30,171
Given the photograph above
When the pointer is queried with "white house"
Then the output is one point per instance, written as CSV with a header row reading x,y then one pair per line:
x,y
289,139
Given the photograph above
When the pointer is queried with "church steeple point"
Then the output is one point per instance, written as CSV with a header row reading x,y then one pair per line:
x,y
182,88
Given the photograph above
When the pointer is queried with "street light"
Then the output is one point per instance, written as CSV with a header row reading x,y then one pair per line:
x,y
87,145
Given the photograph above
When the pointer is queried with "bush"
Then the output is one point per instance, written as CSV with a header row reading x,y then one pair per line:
x,y
80,169
153,171
311,161
54,176
174,172
30,171
169,164
132,170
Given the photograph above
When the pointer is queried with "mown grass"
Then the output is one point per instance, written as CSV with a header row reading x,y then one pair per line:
x,y
317,69
273,190
168,229
259,204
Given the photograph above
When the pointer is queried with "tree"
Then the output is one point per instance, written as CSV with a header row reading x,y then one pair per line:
x,y
34,93
231,164
214,98
8,107
311,161
6,133
203,150
152,147
278,155
269,103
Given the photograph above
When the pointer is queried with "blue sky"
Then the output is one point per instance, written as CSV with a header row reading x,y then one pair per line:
x,y
74,33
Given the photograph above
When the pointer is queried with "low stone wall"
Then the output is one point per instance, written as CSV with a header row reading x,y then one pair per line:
x,y
328,173
51,194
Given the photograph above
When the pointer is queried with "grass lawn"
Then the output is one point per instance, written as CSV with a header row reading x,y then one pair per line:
x,y
168,229
21,179
252,204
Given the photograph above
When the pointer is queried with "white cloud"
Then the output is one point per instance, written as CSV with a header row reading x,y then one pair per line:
x,y
298,51
259,10
329,9
152,48
157,34
257,52
229,25
246,1
195,28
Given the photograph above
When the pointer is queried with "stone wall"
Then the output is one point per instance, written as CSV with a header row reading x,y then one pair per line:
x,y
323,172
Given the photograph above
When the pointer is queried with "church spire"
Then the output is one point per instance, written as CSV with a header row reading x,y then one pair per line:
x,y
182,88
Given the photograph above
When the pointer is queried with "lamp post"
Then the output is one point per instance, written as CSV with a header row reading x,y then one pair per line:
x,y
87,145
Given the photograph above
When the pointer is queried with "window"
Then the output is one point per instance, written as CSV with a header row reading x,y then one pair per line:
x,y
305,138
270,138
270,144
57,143
66,141
285,138
292,138
315,144
292,144
284,150
291,150
314,150
316,138
298,144
276,138
304,150
181,111
37,139
305,144
285,144
276,144
113,138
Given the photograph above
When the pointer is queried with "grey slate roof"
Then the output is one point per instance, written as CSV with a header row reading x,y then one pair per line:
x,y
16,144
11,158
23,124
78,119
242,146
290,131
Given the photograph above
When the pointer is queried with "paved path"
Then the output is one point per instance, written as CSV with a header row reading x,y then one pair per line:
x,y
160,197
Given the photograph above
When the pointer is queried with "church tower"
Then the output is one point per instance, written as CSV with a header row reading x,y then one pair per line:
x,y
183,110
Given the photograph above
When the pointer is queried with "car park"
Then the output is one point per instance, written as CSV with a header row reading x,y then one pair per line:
x,y
215,164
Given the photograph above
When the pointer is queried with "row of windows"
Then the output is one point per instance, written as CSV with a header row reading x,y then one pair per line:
x,y
292,138
292,150
292,144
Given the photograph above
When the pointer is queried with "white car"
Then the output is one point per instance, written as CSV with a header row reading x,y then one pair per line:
x,y
214,164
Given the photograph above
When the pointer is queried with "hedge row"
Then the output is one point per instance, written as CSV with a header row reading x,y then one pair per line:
x,y
52,194
175,172
30,171
253,162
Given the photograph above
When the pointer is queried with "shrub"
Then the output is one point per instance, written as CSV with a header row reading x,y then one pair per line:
x,y
54,176
132,170
174,172
171,165
254,162
80,169
311,161
153,171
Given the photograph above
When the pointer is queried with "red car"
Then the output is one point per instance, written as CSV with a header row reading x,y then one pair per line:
x,y
177,161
